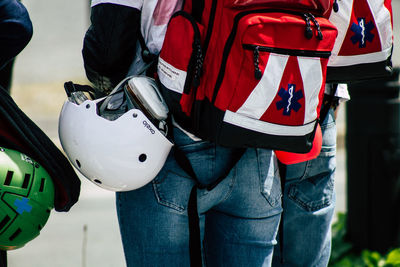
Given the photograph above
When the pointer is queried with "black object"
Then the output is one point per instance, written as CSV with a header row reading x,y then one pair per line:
x,y
3,258
19,132
373,164
6,75
109,44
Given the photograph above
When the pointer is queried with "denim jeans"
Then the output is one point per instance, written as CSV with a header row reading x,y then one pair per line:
x,y
239,218
308,204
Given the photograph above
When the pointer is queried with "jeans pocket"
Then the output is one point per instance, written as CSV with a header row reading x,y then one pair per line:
x,y
173,185
311,184
270,183
172,190
254,190
315,190
328,129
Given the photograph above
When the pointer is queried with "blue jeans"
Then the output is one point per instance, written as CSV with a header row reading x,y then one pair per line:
x,y
239,218
309,203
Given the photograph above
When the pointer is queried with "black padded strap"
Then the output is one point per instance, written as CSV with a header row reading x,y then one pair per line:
x,y
3,258
328,102
193,216
194,230
197,9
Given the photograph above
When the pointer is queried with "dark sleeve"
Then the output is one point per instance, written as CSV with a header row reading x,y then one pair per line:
x,y
109,44
15,30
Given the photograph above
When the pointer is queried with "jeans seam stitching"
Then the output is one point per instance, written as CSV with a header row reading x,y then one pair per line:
x,y
231,184
163,202
324,203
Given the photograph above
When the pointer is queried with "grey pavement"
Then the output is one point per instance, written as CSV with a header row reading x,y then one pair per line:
x,y
87,235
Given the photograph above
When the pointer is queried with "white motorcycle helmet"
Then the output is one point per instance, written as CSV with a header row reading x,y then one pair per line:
x,y
118,142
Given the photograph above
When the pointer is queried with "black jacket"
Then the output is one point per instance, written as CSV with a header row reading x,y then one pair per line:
x,y
109,45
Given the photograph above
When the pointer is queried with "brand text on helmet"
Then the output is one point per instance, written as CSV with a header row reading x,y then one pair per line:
x,y
147,125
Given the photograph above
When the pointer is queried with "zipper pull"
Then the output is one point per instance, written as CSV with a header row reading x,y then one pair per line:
x,y
257,71
198,66
320,36
335,6
308,33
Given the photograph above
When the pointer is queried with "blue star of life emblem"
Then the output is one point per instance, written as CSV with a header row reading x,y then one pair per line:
x,y
290,99
362,32
22,205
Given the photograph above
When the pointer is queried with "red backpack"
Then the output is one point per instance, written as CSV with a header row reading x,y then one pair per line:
x,y
248,73
245,73
363,48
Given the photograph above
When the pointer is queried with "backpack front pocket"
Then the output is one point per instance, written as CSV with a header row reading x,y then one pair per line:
x,y
272,79
180,63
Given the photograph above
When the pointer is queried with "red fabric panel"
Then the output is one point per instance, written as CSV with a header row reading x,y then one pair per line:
x,y
178,41
291,81
285,31
273,30
317,6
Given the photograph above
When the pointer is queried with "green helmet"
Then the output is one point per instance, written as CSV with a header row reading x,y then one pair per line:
x,y
26,199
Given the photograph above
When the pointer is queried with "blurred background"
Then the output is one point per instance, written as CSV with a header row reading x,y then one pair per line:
x,y
88,234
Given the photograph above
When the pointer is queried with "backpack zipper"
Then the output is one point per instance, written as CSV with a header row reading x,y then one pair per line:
x,y
196,59
256,56
210,25
314,20
335,6
291,52
228,45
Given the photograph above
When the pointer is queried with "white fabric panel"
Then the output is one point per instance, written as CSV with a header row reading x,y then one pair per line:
x,y
264,93
154,22
383,22
342,91
147,23
359,59
171,77
311,73
265,127
341,20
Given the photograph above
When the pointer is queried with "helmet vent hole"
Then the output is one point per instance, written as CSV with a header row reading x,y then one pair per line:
x,y
142,157
87,106
4,221
15,234
8,178
41,185
25,183
78,163
97,181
